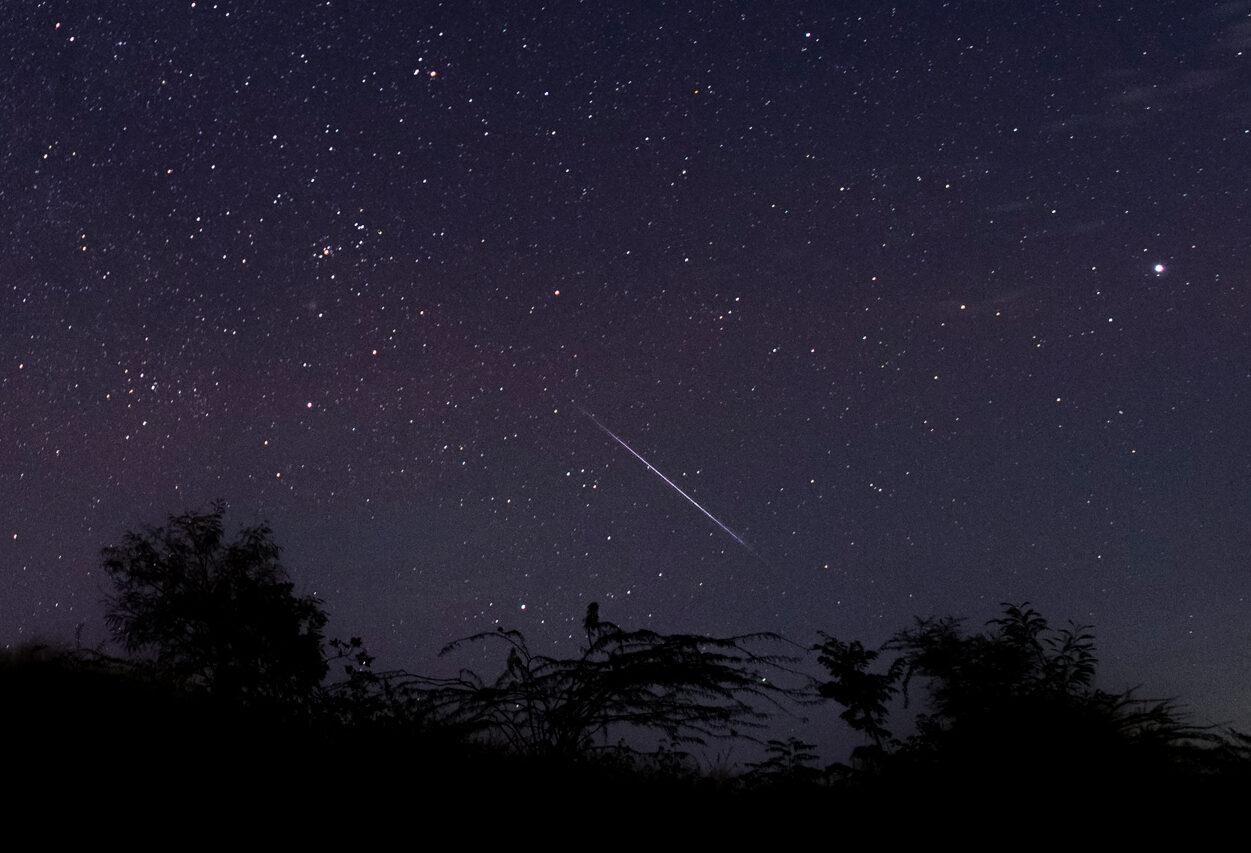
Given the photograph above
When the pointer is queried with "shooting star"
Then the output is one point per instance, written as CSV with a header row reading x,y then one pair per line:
x,y
673,485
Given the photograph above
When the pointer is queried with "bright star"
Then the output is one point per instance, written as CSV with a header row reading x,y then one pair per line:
x,y
1159,269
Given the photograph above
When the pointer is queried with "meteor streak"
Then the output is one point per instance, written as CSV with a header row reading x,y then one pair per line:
x,y
673,485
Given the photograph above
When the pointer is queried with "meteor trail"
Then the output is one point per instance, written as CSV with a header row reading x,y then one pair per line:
x,y
672,484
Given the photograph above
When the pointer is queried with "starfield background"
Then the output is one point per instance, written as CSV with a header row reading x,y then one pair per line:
x,y
728,317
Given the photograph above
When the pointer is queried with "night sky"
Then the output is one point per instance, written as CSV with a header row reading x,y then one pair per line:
x,y
934,305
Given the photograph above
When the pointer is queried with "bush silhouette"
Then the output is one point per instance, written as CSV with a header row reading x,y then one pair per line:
x,y
1013,705
1010,709
686,688
215,615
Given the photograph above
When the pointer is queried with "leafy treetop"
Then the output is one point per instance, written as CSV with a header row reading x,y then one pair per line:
x,y
217,615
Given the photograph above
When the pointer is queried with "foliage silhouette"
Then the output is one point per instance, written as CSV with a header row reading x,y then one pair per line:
x,y
216,615
788,763
1011,708
863,694
1015,702
687,688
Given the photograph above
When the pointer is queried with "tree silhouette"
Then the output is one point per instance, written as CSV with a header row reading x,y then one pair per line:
x,y
684,687
788,763
1015,701
216,615
863,694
